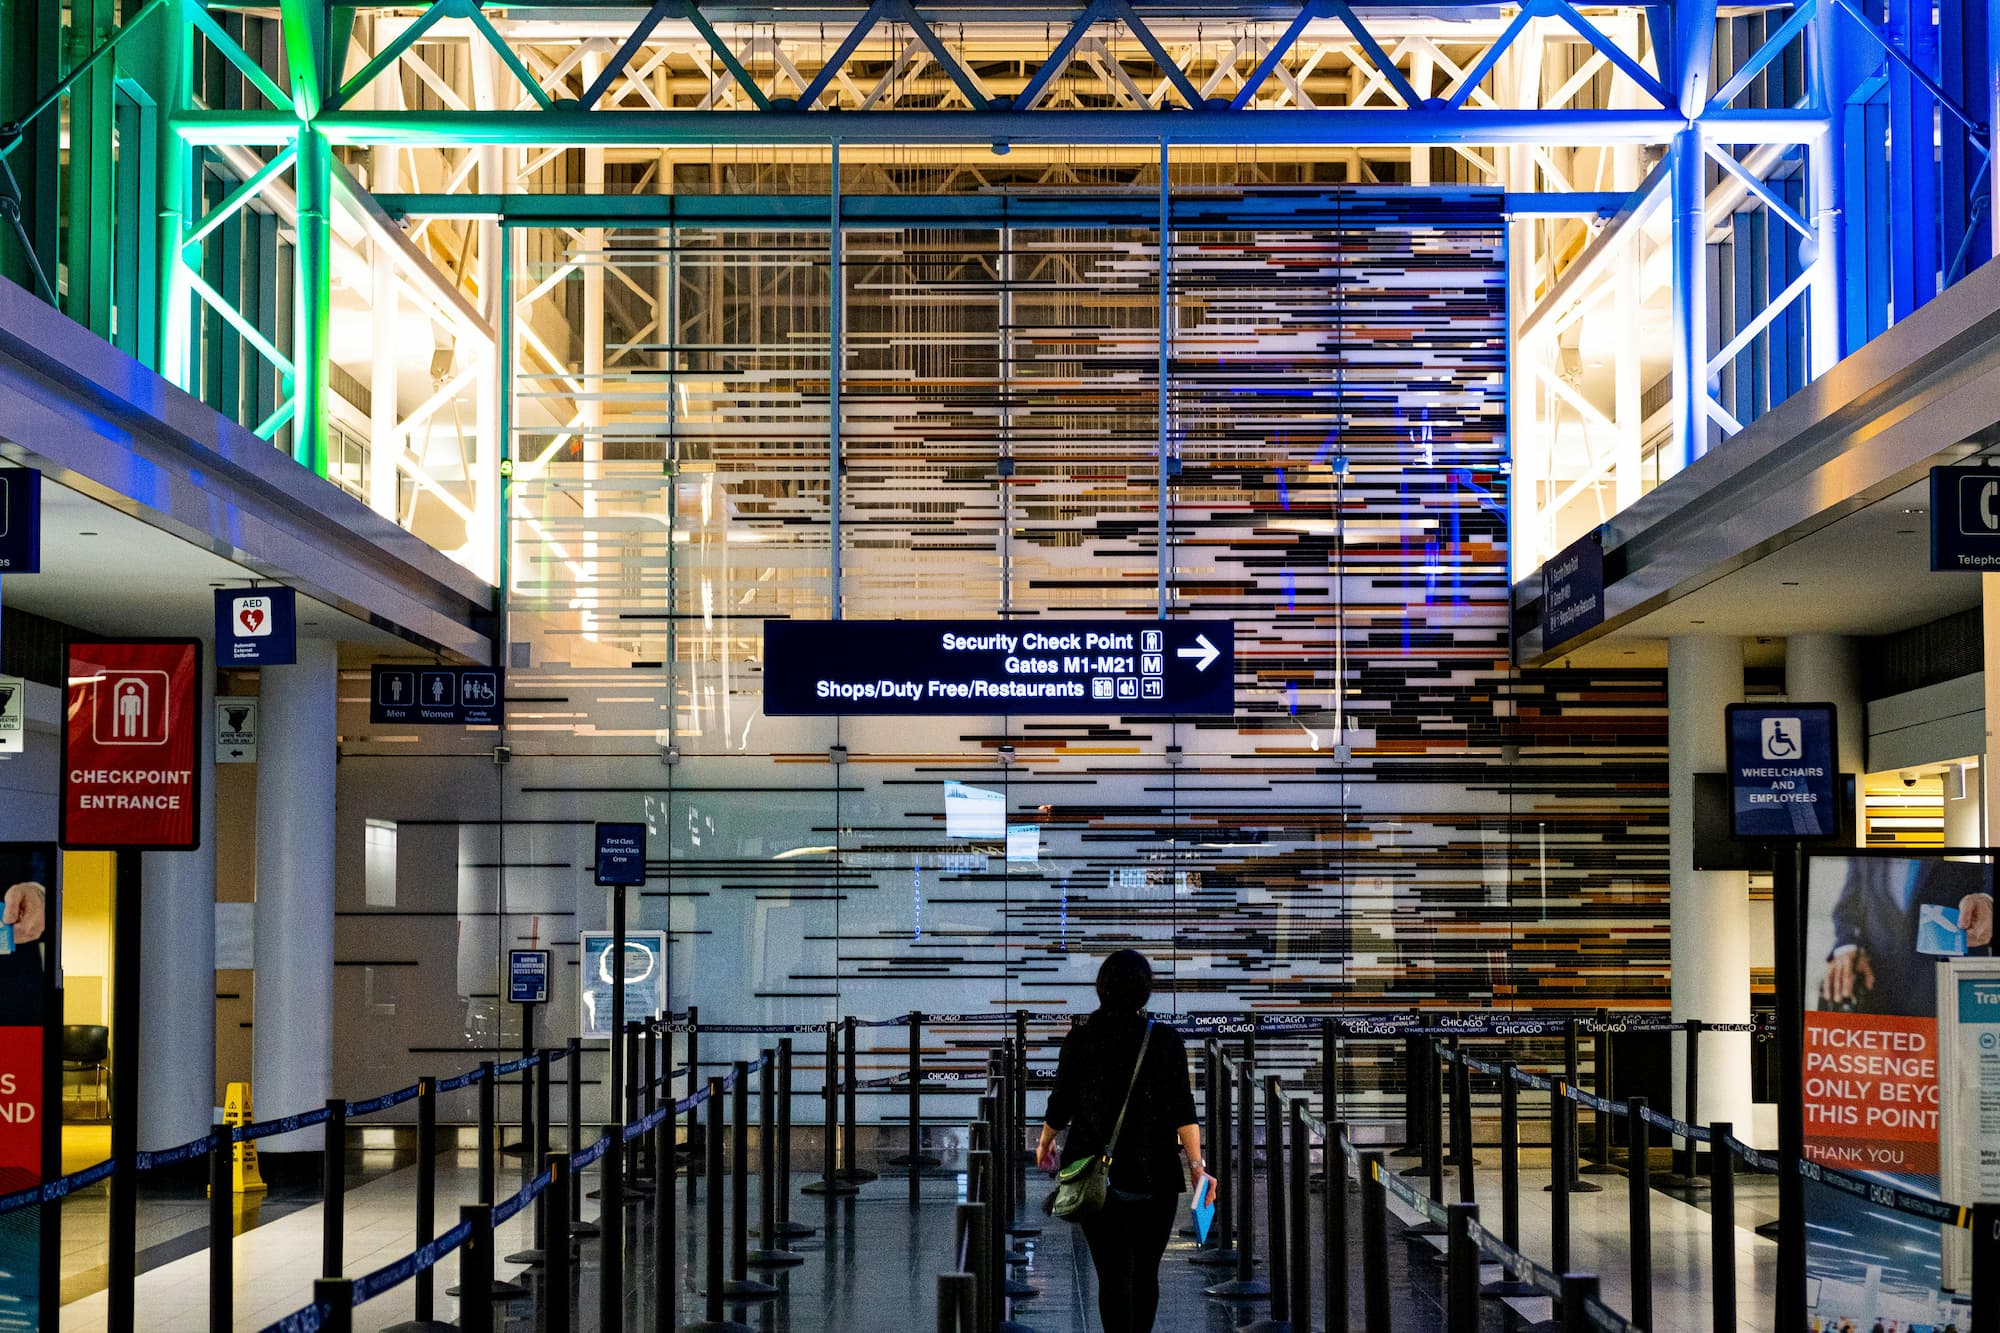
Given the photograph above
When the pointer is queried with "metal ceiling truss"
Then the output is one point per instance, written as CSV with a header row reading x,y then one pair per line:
x,y
1678,169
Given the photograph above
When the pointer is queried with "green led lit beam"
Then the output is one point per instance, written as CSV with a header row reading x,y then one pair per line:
x,y
1314,127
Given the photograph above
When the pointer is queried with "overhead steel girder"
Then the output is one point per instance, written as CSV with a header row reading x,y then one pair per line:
x,y
1208,126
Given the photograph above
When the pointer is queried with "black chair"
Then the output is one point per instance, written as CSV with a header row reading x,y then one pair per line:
x,y
87,1047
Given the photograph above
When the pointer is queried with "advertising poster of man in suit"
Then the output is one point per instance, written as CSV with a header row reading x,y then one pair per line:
x,y
27,969
1876,928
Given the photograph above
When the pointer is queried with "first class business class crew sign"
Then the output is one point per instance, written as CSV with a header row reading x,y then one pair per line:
x,y
130,741
914,668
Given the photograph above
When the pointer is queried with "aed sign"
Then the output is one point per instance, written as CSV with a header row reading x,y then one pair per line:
x,y
1965,518
131,734
935,668
256,627
527,976
1783,772
621,855
434,696
20,521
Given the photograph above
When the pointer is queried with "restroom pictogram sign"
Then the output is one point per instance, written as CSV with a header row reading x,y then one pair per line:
x,y
131,744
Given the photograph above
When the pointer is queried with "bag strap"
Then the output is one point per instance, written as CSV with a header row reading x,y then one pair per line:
x,y
1137,1065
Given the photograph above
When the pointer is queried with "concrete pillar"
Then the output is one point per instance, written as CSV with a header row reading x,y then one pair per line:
x,y
1826,669
292,1037
1710,929
177,969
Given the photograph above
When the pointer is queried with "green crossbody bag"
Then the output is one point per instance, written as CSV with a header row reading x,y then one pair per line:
x,y
1083,1185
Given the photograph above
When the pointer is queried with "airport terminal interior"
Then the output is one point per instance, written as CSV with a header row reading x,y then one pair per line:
x,y
632,632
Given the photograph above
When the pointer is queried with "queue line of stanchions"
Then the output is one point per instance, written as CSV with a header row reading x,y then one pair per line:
x,y
647,1136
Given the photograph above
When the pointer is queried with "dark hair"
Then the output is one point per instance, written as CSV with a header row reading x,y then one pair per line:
x,y
1125,981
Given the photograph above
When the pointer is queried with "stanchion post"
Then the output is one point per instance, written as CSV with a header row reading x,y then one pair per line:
x,y
650,1043
787,1228
486,1144
1299,1226
1985,1265
574,1142
696,1157
954,1303
1461,1269
1245,1285
1374,1245
772,1253
1600,1083
666,1222
1461,1122
1578,1290
1329,1070
1559,1182
712,1237
830,1181
611,1243
1017,1153
1639,1191
543,1073
555,1243
1433,1126
1275,1214
424,1296
1333,1226
1689,1168
1413,1100
1722,1228
1220,1251
221,1233
850,1132
336,1296
475,1269
333,1188
1510,1156
741,1286
630,1110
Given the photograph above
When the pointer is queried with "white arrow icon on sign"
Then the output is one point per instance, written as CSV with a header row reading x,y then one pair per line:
x,y
1208,652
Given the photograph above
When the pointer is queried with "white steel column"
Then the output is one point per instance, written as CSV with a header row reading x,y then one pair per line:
x,y
1710,928
177,969
292,1040
1689,232
385,445
1826,669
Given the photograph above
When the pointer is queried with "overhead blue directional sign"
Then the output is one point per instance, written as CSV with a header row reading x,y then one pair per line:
x,y
20,521
621,855
817,668
436,696
1965,518
1783,771
1573,591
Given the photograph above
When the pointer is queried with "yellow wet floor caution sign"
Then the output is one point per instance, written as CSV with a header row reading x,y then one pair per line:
x,y
236,1111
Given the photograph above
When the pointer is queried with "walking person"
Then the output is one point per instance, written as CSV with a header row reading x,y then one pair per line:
x,y
1122,1092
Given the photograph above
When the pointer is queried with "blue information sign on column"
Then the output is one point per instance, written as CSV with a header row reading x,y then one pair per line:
x,y
1783,771
20,521
621,855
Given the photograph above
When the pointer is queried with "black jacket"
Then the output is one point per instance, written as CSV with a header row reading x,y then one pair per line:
x,y
1097,1061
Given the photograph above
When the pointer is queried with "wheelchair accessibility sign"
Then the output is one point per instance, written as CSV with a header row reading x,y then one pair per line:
x,y
1783,771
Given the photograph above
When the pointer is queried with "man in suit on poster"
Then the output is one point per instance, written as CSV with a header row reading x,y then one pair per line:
x,y
1884,958
24,910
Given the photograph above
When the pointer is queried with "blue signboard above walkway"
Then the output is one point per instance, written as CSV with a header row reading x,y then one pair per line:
x,y
912,668
1783,773
20,521
1965,518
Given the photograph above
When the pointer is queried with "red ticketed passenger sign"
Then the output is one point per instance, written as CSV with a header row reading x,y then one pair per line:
x,y
130,743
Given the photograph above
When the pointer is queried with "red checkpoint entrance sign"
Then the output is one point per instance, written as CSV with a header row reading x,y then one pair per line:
x,y
130,744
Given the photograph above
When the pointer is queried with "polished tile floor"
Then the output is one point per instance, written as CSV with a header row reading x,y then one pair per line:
x,y
872,1265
